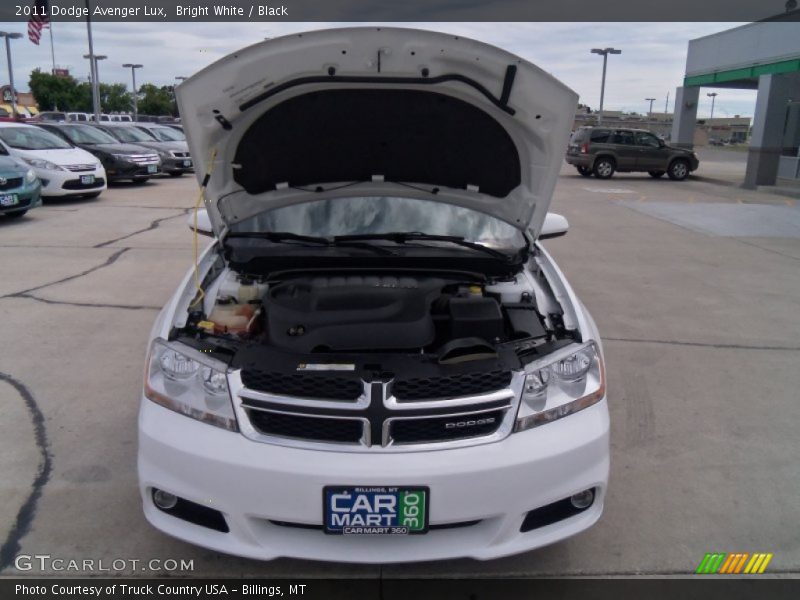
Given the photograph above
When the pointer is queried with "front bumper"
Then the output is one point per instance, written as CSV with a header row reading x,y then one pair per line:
x,y
129,170
176,164
68,183
256,485
28,196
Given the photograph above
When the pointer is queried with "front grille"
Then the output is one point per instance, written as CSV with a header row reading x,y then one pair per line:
x,y
303,385
312,428
318,527
77,168
143,159
409,390
75,184
446,428
12,183
180,154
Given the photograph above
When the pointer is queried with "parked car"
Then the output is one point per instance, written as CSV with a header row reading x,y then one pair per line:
x,y
121,119
383,351
174,154
20,189
600,151
63,169
121,161
78,117
54,116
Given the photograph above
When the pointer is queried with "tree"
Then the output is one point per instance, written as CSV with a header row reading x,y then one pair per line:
x,y
156,100
53,91
114,97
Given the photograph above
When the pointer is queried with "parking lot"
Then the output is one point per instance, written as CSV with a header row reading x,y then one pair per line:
x,y
694,286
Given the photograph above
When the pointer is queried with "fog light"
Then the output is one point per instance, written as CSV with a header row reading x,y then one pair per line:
x,y
164,500
582,499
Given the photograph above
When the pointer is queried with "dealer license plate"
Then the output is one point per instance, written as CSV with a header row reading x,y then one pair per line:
x,y
87,179
375,510
152,168
9,199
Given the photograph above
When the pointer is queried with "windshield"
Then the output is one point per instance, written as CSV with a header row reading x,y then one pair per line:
x,y
31,138
131,134
377,215
167,134
86,134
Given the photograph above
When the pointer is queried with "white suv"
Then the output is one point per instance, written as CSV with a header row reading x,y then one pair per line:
x,y
375,360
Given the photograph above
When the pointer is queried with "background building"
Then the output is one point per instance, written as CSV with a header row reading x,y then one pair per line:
x,y
763,56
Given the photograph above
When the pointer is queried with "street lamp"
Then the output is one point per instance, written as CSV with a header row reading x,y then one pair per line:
x,y
133,68
94,58
181,78
604,52
9,37
650,100
713,96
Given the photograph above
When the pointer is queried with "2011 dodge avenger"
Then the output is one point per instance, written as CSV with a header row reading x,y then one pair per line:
x,y
375,360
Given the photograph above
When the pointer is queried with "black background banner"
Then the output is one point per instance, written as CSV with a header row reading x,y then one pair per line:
x,y
407,10
693,588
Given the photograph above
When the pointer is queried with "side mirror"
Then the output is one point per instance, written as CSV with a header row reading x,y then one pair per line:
x,y
203,223
554,226
662,143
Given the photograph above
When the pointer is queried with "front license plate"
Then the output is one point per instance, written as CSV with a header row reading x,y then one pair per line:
x,y
9,200
187,163
87,179
375,510
152,168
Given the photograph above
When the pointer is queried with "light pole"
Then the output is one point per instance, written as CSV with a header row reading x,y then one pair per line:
x,y
133,68
713,96
9,37
181,78
93,59
604,52
650,100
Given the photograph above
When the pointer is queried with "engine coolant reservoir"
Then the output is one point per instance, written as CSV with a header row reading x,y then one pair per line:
x,y
232,318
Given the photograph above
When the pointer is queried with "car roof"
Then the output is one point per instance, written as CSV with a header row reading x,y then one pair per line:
x,y
15,124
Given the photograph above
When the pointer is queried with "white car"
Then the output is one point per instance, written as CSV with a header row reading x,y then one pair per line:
x,y
63,169
384,364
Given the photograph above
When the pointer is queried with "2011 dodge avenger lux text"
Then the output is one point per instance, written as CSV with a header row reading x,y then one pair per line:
x,y
375,360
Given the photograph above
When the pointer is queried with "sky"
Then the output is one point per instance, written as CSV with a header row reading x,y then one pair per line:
x,y
651,64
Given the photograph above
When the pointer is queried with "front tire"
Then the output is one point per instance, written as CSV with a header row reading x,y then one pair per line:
x,y
16,214
585,171
655,174
678,170
604,168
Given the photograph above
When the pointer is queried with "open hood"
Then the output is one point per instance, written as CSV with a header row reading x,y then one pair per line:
x,y
402,112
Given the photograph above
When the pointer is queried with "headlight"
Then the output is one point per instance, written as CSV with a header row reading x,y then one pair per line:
x,y
40,163
561,384
30,176
181,379
122,157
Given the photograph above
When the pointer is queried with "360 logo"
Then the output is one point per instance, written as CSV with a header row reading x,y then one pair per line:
x,y
735,563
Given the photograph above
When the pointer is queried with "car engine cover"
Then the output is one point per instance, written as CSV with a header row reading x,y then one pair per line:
x,y
352,313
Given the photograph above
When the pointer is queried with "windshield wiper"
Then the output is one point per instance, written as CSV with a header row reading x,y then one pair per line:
x,y
401,237
287,236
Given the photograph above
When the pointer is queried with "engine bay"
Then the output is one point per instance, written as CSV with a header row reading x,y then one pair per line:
x,y
380,321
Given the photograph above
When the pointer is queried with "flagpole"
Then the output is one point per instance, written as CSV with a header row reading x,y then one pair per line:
x,y
52,48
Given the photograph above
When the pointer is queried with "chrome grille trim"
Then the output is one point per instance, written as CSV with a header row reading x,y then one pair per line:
x,y
461,405
143,159
79,168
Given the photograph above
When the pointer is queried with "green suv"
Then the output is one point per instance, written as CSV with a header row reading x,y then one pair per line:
x,y
600,151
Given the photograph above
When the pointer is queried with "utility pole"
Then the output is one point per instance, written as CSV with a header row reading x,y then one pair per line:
x,y
713,96
604,52
133,68
9,37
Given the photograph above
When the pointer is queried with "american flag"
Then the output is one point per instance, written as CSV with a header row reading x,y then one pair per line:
x,y
40,18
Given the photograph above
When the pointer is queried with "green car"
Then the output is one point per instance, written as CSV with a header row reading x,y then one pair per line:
x,y
20,188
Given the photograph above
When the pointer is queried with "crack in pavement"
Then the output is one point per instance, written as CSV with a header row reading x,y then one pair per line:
x,y
109,261
11,545
153,225
87,304
701,344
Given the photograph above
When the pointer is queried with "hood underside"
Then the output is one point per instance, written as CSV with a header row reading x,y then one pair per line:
x,y
384,111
